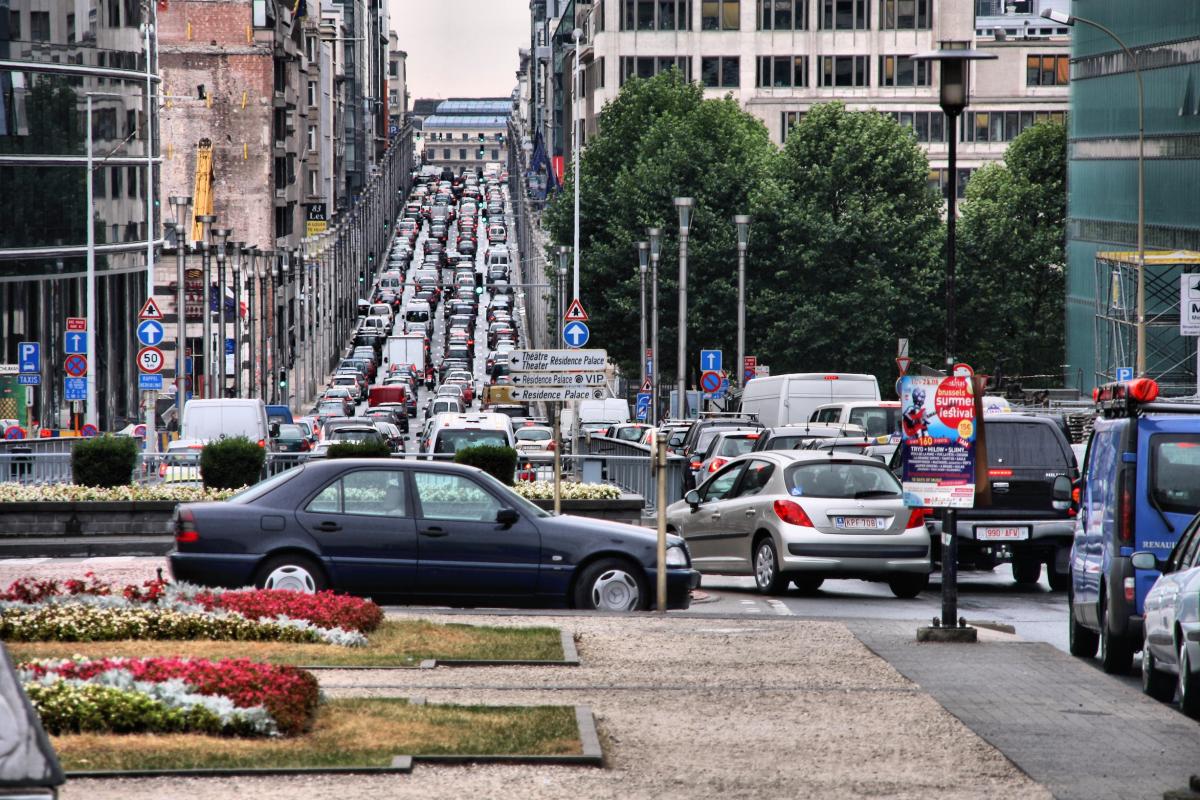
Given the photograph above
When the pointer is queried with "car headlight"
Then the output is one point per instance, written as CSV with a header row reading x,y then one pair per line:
x,y
676,557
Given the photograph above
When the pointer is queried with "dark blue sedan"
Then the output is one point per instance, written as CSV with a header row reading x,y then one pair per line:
x,y
420,531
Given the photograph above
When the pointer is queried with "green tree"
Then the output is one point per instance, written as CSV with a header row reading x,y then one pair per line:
x,y
1011,284
657,140
844,249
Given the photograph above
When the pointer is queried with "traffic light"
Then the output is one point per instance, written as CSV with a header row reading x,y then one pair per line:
x,y
283,379
478,290
481,154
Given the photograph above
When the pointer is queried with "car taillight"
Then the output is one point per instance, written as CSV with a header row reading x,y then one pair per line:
x,y
262,442
916,518
694,465
1125,507
716,464
162,470
1130,590
790,512
185,527
304,445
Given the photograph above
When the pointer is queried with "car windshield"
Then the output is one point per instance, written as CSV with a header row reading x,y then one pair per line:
x,y
452,440
735,446
1024,444
876,421
841,479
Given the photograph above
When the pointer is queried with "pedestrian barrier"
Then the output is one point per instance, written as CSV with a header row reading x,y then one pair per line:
x,y
630,465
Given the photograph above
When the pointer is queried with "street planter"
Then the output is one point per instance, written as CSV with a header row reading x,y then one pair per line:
x,y
627,508
36,529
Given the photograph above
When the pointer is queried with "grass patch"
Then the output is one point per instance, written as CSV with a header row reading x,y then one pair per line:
x,y
397,643
356,732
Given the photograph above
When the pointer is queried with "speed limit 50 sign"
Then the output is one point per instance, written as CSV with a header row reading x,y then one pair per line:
x,y
150,360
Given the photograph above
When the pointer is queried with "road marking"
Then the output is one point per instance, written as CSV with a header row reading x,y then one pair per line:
x,y
780,608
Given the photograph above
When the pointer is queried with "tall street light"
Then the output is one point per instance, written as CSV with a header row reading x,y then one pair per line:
x,y
180,203
742,221
577,35
1062,18
239,259
206,221
954,96
221,241
655,236
643,249
252,273
684,205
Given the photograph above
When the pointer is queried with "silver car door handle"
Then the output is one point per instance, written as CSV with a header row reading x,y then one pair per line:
x,y
750,512
715,516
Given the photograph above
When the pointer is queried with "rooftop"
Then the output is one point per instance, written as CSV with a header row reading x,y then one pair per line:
x,y
440,120
479,106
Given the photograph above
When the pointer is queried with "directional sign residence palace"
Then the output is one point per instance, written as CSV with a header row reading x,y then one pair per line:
x,y
561,360
558,379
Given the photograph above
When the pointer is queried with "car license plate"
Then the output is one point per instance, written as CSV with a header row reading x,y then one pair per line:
x,y
860,523
997,533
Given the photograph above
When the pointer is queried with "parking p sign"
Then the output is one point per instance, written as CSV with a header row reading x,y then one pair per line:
x,y
29,357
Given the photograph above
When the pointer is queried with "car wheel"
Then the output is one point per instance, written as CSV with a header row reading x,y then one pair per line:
x,y
807,585
296,573
1026,570
766,568
1116,656
1059,581
1082,642
611,584
1189,685
908,586
1154,682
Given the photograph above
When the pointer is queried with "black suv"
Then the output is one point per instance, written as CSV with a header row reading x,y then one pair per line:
x,y
1031,518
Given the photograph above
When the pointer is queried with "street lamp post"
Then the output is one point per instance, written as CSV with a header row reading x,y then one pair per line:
x,y
180,203
655,236
643,267
239,255
684,205
954,96
577,35
206,221
221,241
1063,18
251,274
742,221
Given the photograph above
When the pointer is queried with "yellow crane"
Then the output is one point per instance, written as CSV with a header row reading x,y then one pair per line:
x,y
202,197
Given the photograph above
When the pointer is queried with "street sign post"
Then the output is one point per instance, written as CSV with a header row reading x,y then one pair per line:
x,y
576,334
150,332
75,389
29,357
25,379
710,361
748,365
902,363
76,366
577,379
642,411
150,359
75,343
557,360
575,312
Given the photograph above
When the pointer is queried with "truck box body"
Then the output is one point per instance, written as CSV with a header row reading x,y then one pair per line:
x,y
789,399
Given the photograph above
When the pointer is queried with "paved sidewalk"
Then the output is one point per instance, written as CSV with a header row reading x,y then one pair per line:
x,y
1073,729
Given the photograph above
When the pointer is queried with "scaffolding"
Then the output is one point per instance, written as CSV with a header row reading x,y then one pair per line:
x,y
1171,359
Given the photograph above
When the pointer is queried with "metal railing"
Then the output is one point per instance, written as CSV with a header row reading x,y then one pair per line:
x,y
631,466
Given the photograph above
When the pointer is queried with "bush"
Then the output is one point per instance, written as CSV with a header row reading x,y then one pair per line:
x,y
106,461
499,462
373,449
231,463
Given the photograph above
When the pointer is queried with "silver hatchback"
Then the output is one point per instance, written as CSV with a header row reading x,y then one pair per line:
x,y
804,516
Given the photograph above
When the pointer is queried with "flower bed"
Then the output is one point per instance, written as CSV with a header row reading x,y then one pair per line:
x,y
544,490
160,695
91,610
70,493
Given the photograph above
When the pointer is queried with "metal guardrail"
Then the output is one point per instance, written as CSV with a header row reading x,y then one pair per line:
x,y
631,466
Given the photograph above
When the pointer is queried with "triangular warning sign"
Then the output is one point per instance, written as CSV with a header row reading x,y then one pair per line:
x,y
903,363
575,312
150,310
646,385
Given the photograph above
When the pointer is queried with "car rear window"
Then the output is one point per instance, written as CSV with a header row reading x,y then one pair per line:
x,y
453,440
736,446
841,479
1025,444
1174,465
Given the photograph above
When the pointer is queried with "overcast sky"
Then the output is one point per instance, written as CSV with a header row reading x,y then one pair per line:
x,y
461,48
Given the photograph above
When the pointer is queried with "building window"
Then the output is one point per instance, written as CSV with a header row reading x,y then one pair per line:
x,y
994,8
495,155
656,15
720,15
782,71
927,126
446,154
1003,126
844,71
314,183
720,72
1047,70
312,137
789,120
70,29
310,48
312,93
462,153
39,26
845,15
14,25
937,182
903,71
114,14
600,74
783,15
649,66
905,15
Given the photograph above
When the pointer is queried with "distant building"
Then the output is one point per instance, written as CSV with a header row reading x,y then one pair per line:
x,y
397,84
467,133
1101,313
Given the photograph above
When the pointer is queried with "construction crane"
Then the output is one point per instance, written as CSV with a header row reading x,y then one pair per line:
x,y
202,192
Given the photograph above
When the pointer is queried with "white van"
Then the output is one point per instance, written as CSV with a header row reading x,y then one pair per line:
x,y
205,421
416,311
453,432
596,414
787,399
497,257
876,419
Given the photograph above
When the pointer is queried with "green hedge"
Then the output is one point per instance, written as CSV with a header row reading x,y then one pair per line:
x,y
370,449
105,461
231,463
499,462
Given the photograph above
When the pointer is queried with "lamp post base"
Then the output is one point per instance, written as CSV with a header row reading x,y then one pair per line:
x,y
958,634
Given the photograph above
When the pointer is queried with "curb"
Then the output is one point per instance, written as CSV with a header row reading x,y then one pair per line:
x,y
570,659
585,721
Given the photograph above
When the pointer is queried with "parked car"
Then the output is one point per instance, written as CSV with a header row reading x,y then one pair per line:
x,y
1171,641
803,517
479,541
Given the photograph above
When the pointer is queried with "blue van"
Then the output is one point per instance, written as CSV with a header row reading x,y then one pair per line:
x,y
1141,487
279,415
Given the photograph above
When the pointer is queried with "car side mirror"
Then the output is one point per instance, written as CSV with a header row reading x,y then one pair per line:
x,y
508,516
692,498
275,429
1144,559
